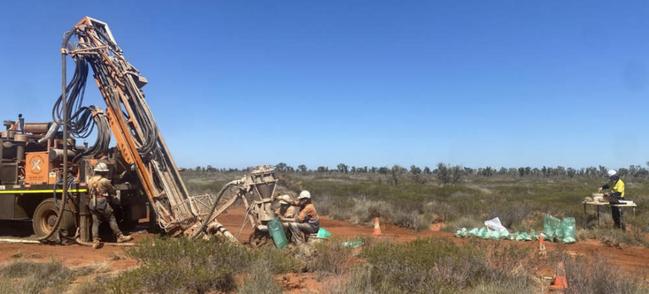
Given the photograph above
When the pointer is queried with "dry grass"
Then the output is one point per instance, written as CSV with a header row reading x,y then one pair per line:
x,y
260,280
598,276
32,277
180,265
437,266
330,257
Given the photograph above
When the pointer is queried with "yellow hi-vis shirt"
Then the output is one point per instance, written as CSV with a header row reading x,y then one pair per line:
x,y
619,187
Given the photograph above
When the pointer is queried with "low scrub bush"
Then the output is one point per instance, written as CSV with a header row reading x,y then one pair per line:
x,y
278,261
615,237
598,276
435,266
32,277
259,279
198,266
329,258
520,202
463,222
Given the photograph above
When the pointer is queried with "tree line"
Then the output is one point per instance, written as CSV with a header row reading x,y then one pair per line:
x,y
447,173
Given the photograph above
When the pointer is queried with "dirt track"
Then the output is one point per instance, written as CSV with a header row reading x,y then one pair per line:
x,y
114,258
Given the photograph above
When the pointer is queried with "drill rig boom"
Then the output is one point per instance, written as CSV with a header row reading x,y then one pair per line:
x,y
132,124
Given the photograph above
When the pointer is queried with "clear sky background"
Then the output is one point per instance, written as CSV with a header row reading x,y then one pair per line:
x,y
477,83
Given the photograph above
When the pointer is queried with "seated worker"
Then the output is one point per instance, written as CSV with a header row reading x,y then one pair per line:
x,y
286,211
307,222
616,187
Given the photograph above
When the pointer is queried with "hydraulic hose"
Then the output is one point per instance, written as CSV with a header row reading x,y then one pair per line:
x,y
120,85
216,202
64,86
55,229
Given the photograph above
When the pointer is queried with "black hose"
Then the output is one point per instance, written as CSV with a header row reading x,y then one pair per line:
x,y
216,202
55,229
59,216
82,120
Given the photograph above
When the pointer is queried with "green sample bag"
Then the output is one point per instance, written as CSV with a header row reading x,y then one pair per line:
x,y
551,228
569,230
554,230
276,231
323,234
353,243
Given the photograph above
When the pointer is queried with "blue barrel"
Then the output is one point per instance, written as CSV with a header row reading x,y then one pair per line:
x,y
276,231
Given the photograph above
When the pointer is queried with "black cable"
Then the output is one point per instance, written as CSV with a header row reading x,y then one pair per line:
x,y
83,120
66,39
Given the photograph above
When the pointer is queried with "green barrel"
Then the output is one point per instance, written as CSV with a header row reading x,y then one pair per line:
x,y
276,231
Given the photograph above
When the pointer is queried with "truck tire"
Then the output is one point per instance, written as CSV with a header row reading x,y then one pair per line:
x,y
45,216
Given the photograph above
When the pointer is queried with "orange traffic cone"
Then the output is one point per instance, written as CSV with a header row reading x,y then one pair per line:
x,y
377,227
560,281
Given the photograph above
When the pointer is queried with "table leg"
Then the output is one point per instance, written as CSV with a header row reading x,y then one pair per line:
x,y
597,206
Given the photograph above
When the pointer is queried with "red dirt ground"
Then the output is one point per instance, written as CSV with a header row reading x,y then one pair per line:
x,y
629,258
632,259
71,255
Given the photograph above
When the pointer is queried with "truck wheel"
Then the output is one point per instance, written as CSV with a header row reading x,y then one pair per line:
x,y
45,217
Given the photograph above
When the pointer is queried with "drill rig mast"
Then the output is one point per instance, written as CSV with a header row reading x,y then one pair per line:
x,y
90,43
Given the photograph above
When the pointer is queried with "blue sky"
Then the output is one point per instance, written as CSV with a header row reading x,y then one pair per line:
x,y
477,83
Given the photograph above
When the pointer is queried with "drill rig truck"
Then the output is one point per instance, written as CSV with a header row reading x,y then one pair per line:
x,y
43,169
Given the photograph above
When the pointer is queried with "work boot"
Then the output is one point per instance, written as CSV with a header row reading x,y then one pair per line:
x,y
96,244
124,238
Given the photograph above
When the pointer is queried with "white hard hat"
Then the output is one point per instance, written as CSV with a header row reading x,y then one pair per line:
x,y
284,199
612,172
304,195
101,167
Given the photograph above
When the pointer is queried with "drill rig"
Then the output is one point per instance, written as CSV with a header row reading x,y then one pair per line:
x,y
42,157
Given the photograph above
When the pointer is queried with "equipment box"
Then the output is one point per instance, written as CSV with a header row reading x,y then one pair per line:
x,y
37,168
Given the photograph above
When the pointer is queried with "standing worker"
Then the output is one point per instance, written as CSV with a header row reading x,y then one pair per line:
x,y
307,222
101,194
616,187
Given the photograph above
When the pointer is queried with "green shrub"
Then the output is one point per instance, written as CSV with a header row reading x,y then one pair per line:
x,y
437,266
182,265
615,237
598,276
32,277
330,257
194,266
94,286
513,286
463,222
260,280
278,261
